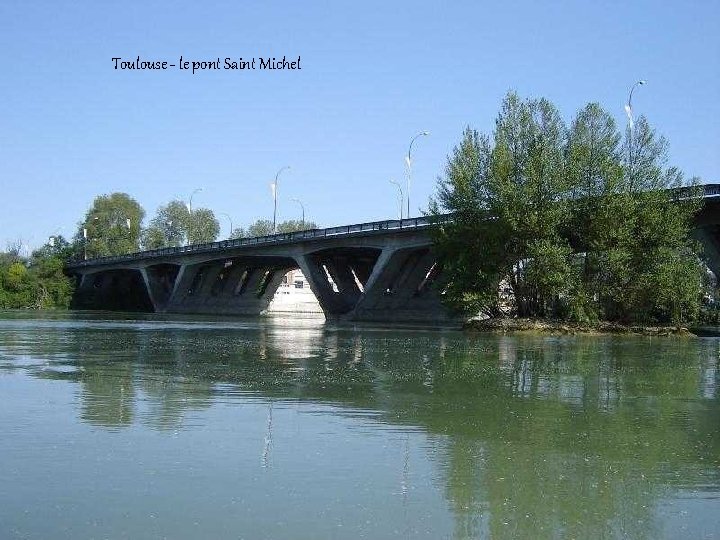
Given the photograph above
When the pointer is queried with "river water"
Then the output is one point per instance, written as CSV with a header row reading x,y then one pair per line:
x,y
161,427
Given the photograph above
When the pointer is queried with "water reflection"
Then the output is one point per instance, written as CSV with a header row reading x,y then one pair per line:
x,y
531,437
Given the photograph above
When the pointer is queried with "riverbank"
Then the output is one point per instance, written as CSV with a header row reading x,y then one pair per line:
x,y
544,326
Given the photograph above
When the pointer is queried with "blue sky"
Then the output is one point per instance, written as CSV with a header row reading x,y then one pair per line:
x,y
373,74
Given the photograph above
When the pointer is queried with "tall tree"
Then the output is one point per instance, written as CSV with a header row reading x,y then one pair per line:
x,y
202,226
599,196
169,226
665,277
470,246
575,223
528,190
173,226
262,227
111,226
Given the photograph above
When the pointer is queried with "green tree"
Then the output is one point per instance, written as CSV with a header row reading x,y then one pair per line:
x,y
508,197
574,223
169,226
38,282
665,278
202,226
238,232
174,225
470,248
262,227
295,225
112,226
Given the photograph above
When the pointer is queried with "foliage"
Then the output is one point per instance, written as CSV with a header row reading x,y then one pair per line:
x,y
295,225
168,227
579,223
37,282
202,226
262,227
174,225
238,232
111,226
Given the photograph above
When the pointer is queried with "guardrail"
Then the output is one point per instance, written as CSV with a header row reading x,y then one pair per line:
x,y
311,234
709,190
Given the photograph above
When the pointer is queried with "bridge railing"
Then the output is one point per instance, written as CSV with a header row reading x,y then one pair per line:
x,y
310,234
708,191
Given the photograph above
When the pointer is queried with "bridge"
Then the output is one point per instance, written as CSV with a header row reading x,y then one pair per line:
x,y
377,271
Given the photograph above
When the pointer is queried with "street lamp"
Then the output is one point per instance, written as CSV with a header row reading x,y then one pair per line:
x,y
400,197
198,190
408,162
631,125
274,187
303,210
628,106
230,220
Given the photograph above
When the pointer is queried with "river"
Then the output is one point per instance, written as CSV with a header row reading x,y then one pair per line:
x,y
277,428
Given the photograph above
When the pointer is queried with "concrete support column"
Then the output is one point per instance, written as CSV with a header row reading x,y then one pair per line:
x,y
149,287
330,301
391,291
341,272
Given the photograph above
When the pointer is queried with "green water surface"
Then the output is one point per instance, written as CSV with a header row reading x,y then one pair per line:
x,y
286,428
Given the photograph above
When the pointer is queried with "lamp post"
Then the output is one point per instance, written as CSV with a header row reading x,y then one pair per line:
x,y
230,220
274,187
302,206
631,125
400,197
408,162
198,190
628,106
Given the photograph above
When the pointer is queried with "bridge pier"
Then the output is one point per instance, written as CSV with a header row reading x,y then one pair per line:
x,y
114,290
401,288
709,237
238,286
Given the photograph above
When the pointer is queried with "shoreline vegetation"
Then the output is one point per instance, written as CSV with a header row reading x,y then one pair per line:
x,y
508,325
570,228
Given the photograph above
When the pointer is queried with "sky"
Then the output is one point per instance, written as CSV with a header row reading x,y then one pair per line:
x,y
374,74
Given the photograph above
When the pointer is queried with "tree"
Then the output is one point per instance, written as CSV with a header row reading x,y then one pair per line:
x,y
470,249
238,232
111,226
173,226
295,225
262,227
508,199
575,224
202,226
169,226
665,277
39,281
527,199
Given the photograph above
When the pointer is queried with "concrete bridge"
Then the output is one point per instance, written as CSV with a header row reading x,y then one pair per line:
x,y
379,271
